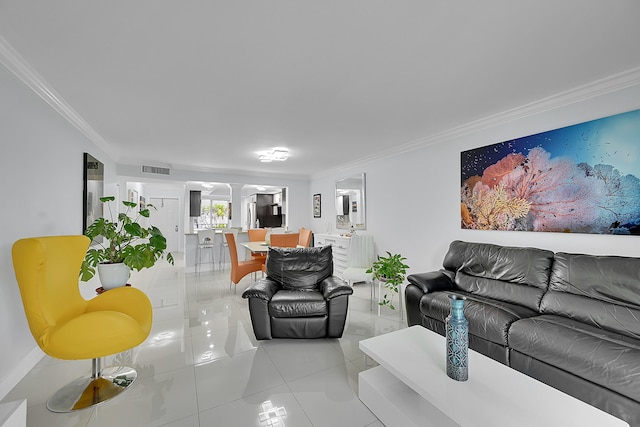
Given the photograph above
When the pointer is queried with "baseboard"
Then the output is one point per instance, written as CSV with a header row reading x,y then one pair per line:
x,y
20,370
13,414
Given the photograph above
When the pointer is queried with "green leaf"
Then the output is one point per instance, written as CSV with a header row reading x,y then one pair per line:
x,y
86,271
134,229
99,227
158,241
123,218
136,258
93,257
107,199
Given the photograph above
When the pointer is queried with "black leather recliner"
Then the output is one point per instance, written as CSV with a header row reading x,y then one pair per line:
x,y
300,297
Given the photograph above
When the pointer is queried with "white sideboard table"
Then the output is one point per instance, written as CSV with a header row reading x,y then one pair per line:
x,y
340,250
411,388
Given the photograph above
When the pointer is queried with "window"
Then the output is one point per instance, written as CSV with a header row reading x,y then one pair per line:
x,y
213,214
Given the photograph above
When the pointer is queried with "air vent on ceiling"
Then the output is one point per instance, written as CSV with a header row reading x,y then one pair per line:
x,y
156,170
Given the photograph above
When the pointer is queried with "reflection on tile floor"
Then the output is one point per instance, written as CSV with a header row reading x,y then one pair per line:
x,y
203,366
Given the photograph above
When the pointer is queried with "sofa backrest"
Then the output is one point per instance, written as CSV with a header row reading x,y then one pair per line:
x,y
603,291
300,268
510,274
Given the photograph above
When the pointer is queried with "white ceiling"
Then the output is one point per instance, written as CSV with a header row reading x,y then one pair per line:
x,y
206,84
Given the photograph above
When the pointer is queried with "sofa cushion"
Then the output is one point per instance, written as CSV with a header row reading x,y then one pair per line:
x,y
604,358
602,291
510,274
288,303
488,319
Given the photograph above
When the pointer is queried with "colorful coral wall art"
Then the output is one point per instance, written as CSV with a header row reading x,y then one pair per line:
x,y
578,179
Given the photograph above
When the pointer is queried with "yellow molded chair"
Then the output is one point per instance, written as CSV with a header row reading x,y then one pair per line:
x,y
66,326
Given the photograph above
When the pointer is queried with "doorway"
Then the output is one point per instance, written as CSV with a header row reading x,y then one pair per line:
x,y
167,218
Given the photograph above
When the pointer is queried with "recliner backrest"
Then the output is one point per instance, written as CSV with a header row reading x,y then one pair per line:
x,y
300,268
603,291
511,274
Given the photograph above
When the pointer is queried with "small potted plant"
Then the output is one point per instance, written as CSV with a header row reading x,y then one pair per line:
x,y
390,270
127,245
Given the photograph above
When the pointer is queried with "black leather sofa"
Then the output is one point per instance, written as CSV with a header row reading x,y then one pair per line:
x,y
300,297
569,320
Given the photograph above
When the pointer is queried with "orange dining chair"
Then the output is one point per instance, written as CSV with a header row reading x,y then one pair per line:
x,y
258,235
239,269
305,238
224,247
287,240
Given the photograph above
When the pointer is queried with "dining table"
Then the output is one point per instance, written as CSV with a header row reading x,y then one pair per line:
x,y
259,247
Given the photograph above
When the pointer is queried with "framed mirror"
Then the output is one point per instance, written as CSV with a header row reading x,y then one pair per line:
x,y
92,191
350,202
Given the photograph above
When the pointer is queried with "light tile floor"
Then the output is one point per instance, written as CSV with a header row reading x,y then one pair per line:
x,y
202,365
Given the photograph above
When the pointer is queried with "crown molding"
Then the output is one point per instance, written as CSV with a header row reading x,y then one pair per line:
x,y
20,68
594,89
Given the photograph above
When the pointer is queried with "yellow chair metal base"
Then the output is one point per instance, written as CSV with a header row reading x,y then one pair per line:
x,y
94,389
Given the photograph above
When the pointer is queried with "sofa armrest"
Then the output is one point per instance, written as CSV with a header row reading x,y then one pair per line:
x,y
332,287
264,289
432,281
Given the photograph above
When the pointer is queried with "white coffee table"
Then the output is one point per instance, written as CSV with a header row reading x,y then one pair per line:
x,y
411,388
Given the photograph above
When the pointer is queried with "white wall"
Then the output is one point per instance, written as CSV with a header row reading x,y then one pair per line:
x,y
41,165
413,203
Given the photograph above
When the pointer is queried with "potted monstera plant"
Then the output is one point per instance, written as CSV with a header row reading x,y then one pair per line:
x,y
126,244
391,271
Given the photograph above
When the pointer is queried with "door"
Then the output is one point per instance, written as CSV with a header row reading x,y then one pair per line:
x,y
166,218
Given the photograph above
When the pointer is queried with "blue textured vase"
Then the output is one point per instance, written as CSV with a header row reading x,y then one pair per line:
x,y
457,340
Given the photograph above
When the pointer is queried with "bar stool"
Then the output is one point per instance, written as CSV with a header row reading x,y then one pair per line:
x,y
206,246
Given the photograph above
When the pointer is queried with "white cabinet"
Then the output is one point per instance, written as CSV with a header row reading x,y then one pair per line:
x,y
340,250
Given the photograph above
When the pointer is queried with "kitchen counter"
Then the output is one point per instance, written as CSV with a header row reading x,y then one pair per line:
x,y
191,244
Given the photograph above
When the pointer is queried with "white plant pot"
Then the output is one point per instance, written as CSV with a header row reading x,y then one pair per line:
x,y
113,275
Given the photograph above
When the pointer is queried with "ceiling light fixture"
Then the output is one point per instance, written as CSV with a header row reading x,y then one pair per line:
x,y
277,154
